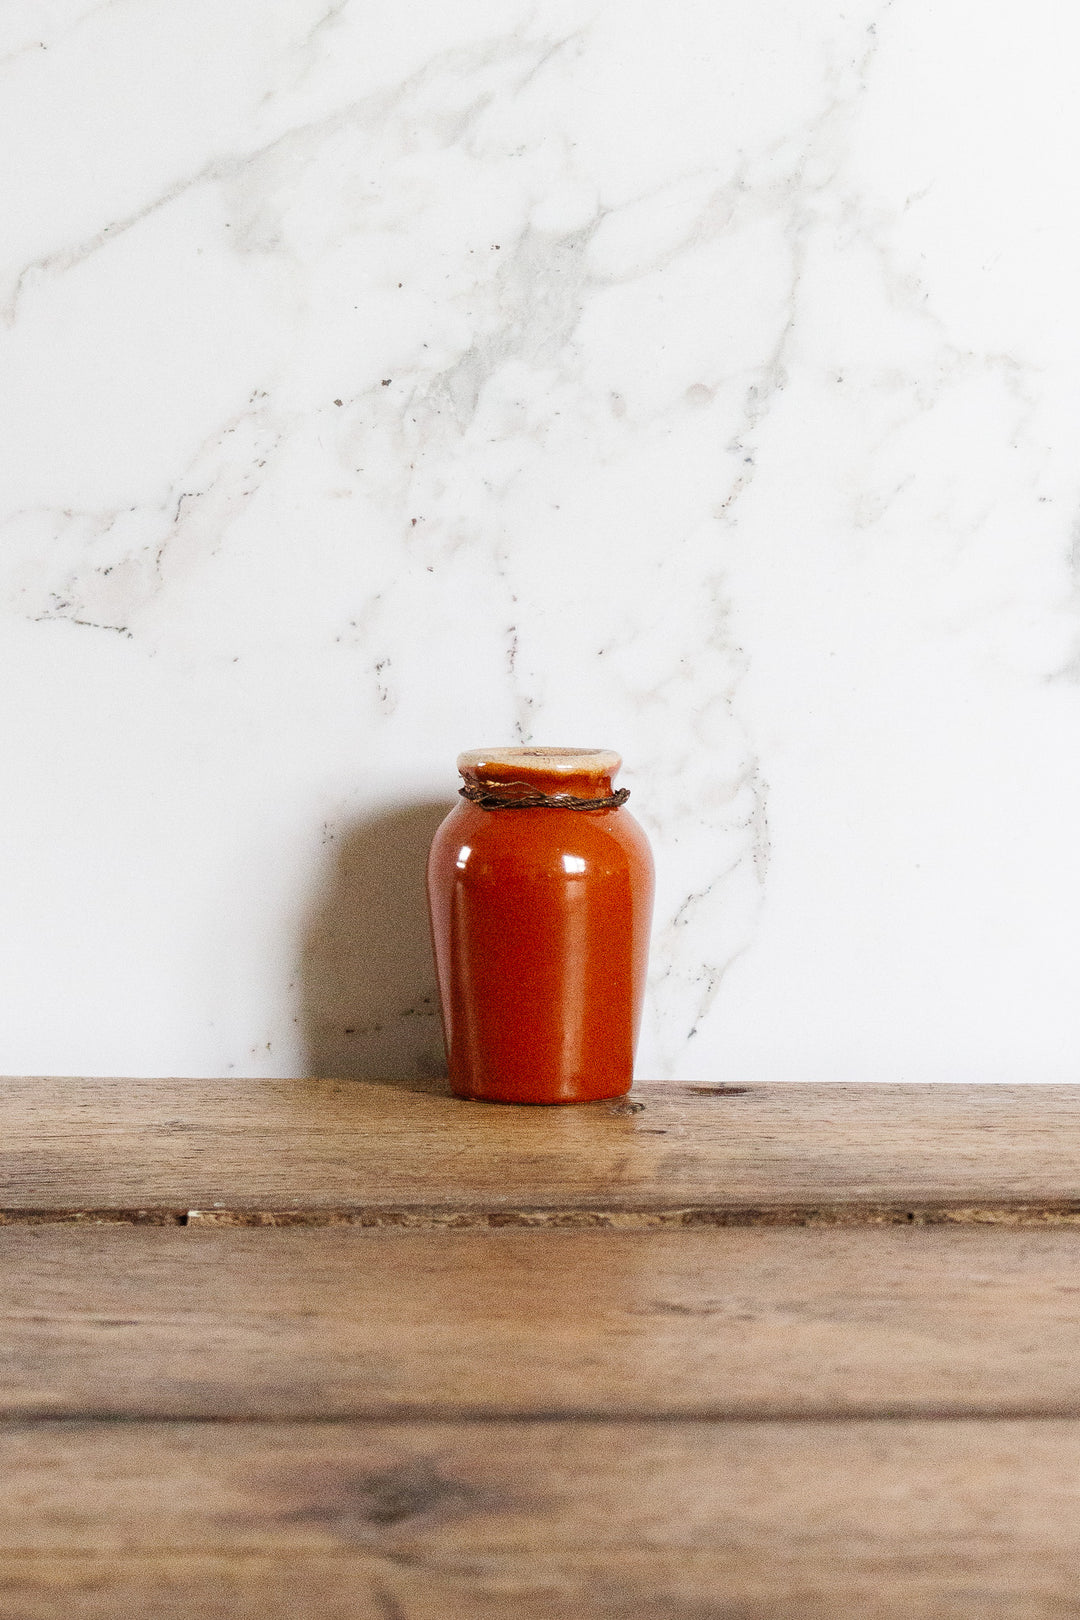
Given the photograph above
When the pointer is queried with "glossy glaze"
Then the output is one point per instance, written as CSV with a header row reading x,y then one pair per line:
x,y
540,923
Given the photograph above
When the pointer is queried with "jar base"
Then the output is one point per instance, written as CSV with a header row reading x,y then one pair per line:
x,y
601,1094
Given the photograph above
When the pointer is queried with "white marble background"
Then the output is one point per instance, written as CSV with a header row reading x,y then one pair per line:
x,y
386,377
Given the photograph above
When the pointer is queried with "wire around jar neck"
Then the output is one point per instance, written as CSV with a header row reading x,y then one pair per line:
x,y
541,778
527,799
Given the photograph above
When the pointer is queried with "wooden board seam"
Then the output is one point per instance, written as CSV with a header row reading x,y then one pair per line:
x,y
644,1217
387,1418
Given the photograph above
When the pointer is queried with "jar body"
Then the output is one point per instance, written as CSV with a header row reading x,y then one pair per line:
x,y
540,924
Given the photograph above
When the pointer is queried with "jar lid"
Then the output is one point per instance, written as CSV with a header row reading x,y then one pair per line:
x,y
556,761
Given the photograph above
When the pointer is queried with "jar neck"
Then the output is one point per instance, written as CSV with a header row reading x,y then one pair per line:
x,y
511,774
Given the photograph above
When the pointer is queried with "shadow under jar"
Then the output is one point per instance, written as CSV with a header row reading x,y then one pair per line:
x,y
540,887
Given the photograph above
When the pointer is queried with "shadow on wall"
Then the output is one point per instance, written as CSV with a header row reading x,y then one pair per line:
x,y
369,1004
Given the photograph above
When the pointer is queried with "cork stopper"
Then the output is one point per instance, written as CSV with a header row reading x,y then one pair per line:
x,y
552,761
534,778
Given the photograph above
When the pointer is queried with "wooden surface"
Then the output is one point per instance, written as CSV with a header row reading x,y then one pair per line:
x,y
781,1353
322,1148
746,1322
546,1521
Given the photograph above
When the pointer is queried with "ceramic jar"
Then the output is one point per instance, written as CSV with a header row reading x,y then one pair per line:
x,y
540,888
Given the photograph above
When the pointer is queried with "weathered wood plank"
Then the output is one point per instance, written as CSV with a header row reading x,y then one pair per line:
x,y
136,1321
683,1152
889,1521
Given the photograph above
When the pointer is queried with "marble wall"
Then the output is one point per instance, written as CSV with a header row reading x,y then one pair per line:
x,y
381,378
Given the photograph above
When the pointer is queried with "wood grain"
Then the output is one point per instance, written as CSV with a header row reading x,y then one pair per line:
x,y
250,1150
742,1521
144,1322
278,1348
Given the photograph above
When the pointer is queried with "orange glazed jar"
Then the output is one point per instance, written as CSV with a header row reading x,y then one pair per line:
x,y
540,888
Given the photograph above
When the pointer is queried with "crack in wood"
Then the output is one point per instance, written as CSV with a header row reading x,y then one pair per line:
x,y
633,1218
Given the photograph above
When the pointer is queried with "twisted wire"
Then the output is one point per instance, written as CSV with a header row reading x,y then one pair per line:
x,y
530,799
